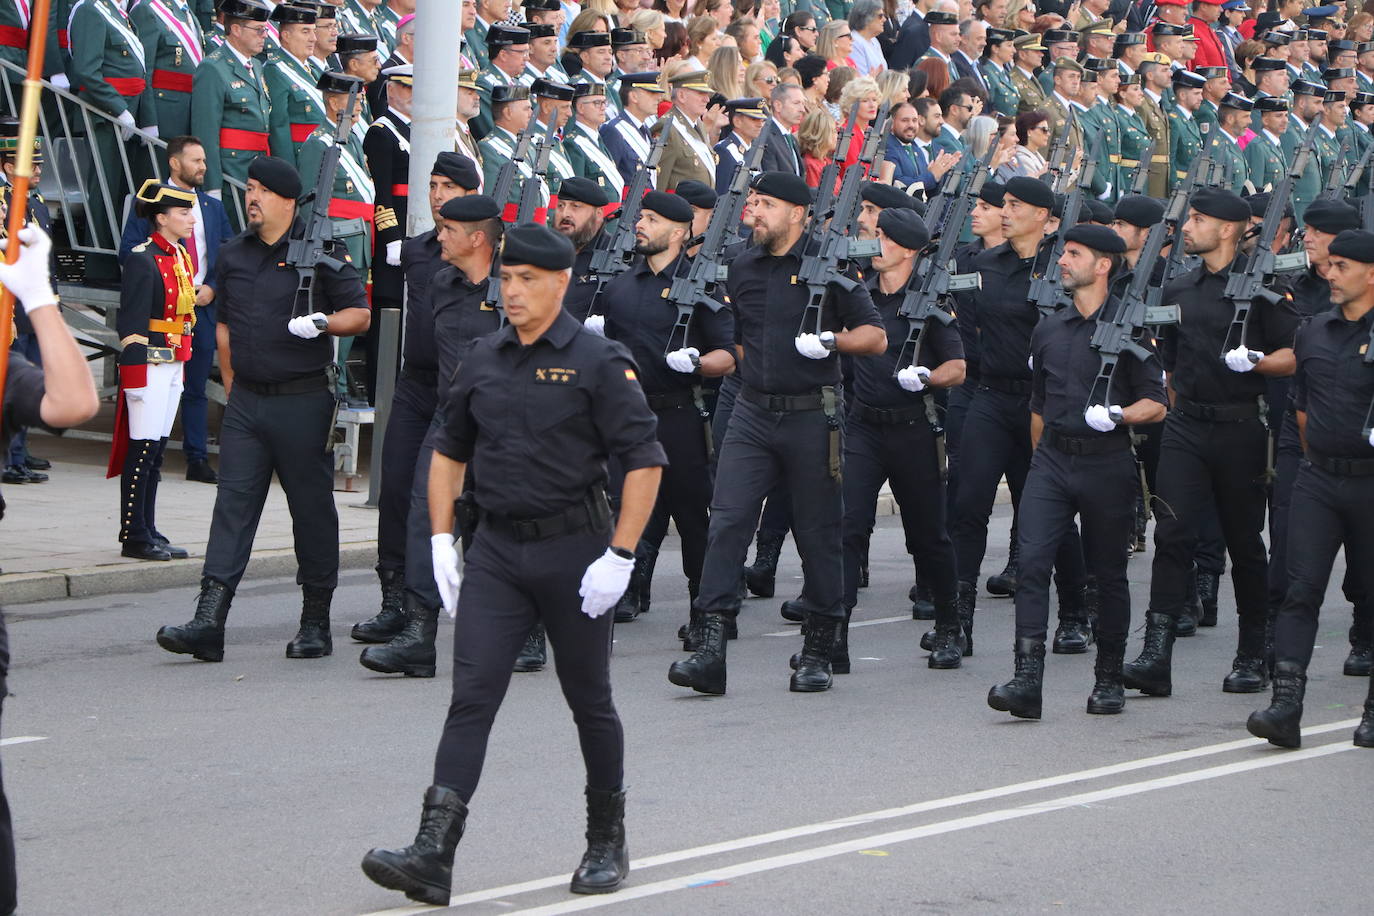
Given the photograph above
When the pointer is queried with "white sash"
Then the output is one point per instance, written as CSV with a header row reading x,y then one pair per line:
x,y
361,179
299,80
633,137
698,145
592,150
23,7
187,35
395,131
121,25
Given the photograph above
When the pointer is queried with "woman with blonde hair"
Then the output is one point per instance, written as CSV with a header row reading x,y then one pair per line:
x,y
816,138
760,79
861,92
835,44
724,72
702,40
652,24
1020,15
894,86
589,20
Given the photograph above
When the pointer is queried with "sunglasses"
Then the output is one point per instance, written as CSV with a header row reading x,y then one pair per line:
x,y
770,80
807,28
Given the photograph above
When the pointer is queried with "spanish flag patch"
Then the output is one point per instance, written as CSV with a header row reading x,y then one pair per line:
x,y
630,374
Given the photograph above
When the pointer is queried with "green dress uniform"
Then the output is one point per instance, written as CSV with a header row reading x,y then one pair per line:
x,y
1031,95
1264,159
1327,149
297,105
173,46
1362,82
489,79
948,62
1309,184
590,158
1206,114
1100,121
475,43
358,18
14,48
1157,126
1232,160
1003,94
1361,139
1134,138
1185,142
229,102
497,148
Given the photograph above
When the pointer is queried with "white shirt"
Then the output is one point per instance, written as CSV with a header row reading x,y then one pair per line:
x,y
197,239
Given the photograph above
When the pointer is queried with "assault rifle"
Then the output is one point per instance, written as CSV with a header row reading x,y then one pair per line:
x,y
1140,181
1352,178
505,179
825,193
1060,157
1047,289
530,191
1336,178
613,258
307,253
1176,263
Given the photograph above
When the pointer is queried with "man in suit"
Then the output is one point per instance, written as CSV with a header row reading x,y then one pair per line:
x,y
687,151
787,106
956,110
186,170
973,37
912,170
913,39
627,135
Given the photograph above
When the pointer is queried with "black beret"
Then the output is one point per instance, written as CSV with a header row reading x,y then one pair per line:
x,y
355,43
993,192
457,168
581,41
537,246
904,227
784,186
697,193
338,83
1031,190
1221,204
1259,203
1098,210
276,175
1098,238
1272,103
1139,210
1331,216
1355,244
539,30
883,196
583,190
503,36
471,208
668,206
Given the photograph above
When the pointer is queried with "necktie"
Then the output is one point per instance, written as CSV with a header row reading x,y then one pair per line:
x,y
796,150
195,257
644,132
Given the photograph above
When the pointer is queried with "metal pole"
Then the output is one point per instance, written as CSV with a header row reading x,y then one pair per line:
x,y
386,389
434,105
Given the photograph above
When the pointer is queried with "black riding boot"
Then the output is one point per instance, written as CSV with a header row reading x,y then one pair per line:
x,y
412,651
813,672
1075,633
948,644
313,639
761,578
1208,584
607,860
203,636
388,621
1109,693
704,670
1152,672
134,534
423,870
1003,585
534,653
1281,723
1020,696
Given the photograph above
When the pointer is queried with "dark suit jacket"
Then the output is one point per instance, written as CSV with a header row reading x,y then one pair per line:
x,y
626,162
912,41
777,156
217,232
967,70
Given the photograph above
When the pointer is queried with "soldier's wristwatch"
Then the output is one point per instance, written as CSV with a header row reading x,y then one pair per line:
x,y
321,324
828,340
1116,413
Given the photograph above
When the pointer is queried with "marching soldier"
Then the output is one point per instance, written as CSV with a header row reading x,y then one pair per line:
x,y
747,118
157,312
580,216
280,413
1270,80
1264,158
687,151
582,142
1213,91
357,55
1068,80
229,101
1185,137
1003,93
594,51
387,149
173,47
512,111
628,135
297,106
403,53
944,38
1332,122
508,48
1102,78
1307,107
370,17
326,37
489,13
1029,53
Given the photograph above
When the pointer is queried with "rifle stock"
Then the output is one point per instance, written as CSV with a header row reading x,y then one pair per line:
x,y
613,257
1047,289
531,187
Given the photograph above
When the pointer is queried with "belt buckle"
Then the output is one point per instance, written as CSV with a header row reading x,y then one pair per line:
x,y
158,355
524,529
777,403
1342,466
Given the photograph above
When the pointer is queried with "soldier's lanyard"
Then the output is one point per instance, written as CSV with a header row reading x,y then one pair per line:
x,y
830,407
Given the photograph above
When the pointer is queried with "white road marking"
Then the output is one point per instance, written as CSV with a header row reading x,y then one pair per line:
x,y
853,625
761,839
21,739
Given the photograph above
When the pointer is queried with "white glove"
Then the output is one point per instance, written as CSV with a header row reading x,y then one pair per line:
x,y
596,324
151,130
217,193
1371,437
126,118
393,253
1099,418
446,575
604,582
913,378
304,326
681,360
28,277
1238,360
810,346
61,82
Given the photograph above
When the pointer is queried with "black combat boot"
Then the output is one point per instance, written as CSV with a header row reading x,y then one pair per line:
x,y
1075,632
1364,732
607,860
1152,672
922,601
839,657
203,636
627,608
646,579
412,651
423,870
1003,585
1249,671
1186,623
1020,696
388,622
1281,723
534,654
965,605
947,644
863,562
761,578
1208,585
313,639
813,672
1360,661
794,611
704,670
1109,693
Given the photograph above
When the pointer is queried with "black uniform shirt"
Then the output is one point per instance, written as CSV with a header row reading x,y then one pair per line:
x,y
22,407
460,319
769,303
964,256
420,261
1066,366
538,422
875,382
256,295
639,315
1311,296
578,299
1334,384
1002,312
1192,349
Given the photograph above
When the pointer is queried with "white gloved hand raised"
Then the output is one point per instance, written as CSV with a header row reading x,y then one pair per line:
x,y
444,554
303,326
596,324
604,582
810,346
393,253
28,277
1099,417
913,378
681,360
1240,359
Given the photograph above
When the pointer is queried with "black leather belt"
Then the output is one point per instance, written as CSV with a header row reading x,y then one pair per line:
x,y
670,400
1087,445
1006,385
1342,467
889,416
593,512
1217,413
422,375
303,385
782,403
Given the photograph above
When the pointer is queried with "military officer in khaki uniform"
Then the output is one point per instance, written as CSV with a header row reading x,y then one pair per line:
x,y
1030,53
1154,75
1068,82
687,151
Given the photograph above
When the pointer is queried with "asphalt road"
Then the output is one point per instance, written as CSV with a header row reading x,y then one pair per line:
x,y
164,785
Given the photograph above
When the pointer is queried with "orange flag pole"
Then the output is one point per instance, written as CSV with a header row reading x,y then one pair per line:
x,y
23,168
